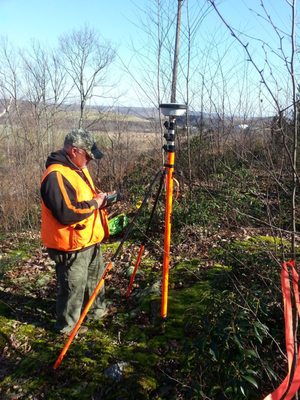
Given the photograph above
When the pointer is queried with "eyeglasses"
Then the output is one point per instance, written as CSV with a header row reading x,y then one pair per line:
x,y
83,152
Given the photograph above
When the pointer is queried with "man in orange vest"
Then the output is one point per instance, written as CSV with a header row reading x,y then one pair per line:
x,y
72,227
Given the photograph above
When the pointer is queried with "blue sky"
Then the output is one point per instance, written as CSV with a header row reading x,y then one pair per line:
x,y
22,20
117,20
46,20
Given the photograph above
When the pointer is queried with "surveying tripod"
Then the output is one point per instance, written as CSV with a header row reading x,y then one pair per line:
x,y
167,172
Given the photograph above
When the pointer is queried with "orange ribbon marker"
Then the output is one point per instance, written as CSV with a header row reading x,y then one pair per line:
x,y
290,385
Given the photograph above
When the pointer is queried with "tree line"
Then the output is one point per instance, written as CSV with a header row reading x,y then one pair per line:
x,y
44,92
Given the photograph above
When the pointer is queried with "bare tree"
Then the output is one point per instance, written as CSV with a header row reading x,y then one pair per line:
x,y
86,60
46,93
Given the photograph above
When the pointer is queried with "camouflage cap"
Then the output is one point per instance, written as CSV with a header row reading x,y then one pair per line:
x,y
83,140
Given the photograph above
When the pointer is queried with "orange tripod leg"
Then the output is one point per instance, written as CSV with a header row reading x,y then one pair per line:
x,y
137,263
82,316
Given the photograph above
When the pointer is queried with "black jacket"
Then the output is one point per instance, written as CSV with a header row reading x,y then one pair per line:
x,y
53,198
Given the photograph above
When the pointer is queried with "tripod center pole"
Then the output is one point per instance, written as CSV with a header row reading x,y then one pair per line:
x,y
171,110
169,167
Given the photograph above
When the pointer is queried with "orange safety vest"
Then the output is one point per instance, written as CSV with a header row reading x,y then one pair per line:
x,y
76,236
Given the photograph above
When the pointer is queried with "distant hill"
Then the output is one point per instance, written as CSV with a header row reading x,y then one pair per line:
x,y
141,115
152,113
139,112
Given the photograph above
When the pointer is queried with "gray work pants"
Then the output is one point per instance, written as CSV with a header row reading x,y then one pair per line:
x,y
77,275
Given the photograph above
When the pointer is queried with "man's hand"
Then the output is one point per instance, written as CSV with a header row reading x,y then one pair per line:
x,y
113,197
101,199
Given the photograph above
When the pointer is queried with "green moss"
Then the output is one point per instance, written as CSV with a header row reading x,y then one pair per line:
x,y
145,358
191,265
134,333
147,264
148,383
259,243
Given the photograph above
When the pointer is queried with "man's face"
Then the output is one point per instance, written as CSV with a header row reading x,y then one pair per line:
x,y
80,157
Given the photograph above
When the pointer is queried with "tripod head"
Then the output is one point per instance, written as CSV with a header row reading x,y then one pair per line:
x,y
171,110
